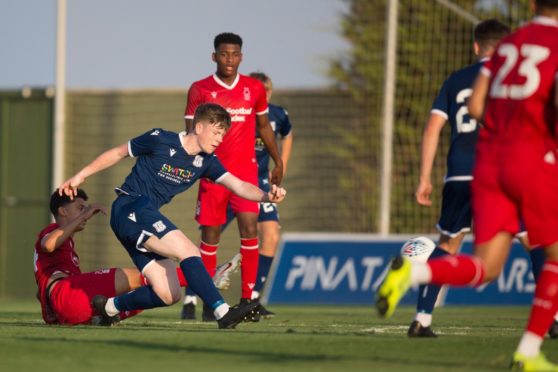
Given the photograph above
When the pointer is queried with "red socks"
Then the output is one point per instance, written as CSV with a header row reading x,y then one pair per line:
x,y
249,265
459,270
545,301
209,257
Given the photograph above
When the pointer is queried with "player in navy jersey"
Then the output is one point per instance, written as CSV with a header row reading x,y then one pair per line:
x,y
456,215
167,164
268,217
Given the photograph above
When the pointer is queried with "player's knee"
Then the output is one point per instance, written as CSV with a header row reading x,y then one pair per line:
x,y
168,296
491,272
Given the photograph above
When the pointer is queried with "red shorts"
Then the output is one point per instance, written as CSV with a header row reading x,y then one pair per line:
x,y
213,200
505,192
70,298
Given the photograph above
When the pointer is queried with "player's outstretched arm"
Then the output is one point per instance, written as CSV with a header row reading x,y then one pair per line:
x,y
248,191
56,238
429,145
268,137
105,160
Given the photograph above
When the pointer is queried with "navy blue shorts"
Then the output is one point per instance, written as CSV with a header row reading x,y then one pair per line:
x,y
134,219
456,214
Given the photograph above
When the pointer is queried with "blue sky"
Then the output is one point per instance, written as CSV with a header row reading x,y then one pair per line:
x,y
167,43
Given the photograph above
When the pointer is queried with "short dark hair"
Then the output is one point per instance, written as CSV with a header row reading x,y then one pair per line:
x,y
547,3
227,38
488,33
258,75
214,114
57,201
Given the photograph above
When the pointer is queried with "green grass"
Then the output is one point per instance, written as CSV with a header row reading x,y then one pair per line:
x,y
298,339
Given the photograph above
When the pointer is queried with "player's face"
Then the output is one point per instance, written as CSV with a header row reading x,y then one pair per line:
x,y
210,136
228,58
74,209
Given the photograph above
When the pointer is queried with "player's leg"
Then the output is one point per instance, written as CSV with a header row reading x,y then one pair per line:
x,y
211,215
428,294
454,222
268,229
249,244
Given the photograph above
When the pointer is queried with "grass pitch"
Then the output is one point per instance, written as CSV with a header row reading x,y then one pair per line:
x,y
298,339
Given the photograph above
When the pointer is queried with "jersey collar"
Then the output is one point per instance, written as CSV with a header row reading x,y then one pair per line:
x,y
223,84
547,21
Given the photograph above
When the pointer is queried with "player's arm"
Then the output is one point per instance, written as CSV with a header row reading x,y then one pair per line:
x,y
477,101
248,191
54,239
286,147
105,160
268,137
193,101
429,145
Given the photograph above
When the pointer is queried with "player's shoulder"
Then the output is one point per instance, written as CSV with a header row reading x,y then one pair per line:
x,y
248,80
277,110
48,229
202,82
465,75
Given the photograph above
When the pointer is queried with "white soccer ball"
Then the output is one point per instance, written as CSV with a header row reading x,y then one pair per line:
x,y
418,249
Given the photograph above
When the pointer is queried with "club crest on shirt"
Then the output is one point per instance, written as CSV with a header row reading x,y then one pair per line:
x,y
214,94
198,161
75,260
246,93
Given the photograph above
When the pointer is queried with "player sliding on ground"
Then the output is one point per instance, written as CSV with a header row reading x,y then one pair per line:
x,y
64,291
167,164
515,176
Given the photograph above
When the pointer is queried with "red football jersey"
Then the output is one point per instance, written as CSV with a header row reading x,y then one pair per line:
x,y
520,112
243,100
64,258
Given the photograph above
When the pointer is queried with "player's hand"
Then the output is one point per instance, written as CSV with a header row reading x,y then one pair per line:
x,y
92,210
277,175
70,187
424,190
277,194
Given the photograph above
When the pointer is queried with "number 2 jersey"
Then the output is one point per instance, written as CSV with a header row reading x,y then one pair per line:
x,y
243,99
451,104
520,115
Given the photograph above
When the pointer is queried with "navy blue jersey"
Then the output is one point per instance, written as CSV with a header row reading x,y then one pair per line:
x,y
163,169
279,119
451,103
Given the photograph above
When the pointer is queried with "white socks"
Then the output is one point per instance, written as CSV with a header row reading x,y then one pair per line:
x,y
190,300
424,319
420,273
110,308
221,311
529,345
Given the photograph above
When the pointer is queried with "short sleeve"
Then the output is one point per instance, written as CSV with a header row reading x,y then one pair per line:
x,y
261,99
194,100
144,144
215,170
285,126
442,102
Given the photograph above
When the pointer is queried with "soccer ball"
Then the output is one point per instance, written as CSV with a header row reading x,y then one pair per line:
x,y
418,249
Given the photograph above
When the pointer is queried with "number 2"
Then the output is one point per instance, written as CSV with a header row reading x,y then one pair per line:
x,y
533,55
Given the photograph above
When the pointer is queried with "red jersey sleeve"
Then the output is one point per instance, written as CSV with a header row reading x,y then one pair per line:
x,y
194,100
261,99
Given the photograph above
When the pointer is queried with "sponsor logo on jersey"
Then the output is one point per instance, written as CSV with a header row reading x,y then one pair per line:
x,y
155,132
175,174
198,161
239,114
159,226
172,152
132,216
246,93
